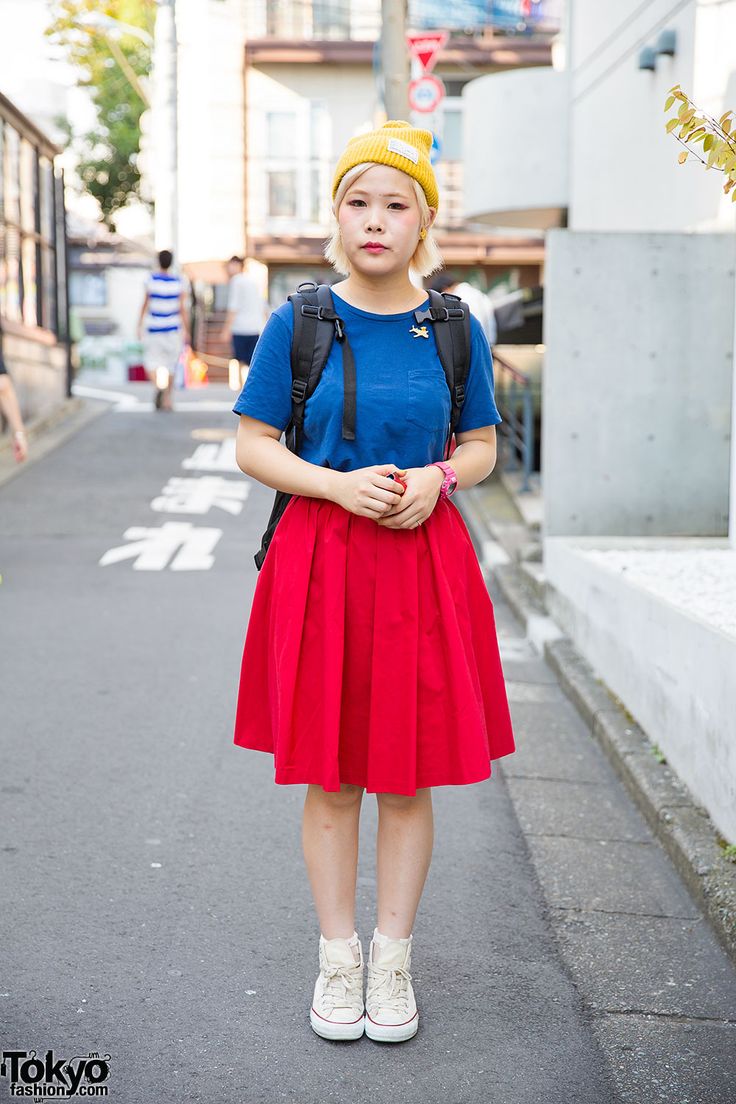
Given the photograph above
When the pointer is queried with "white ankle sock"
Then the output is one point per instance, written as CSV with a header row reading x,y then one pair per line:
x,y
381,939
352,942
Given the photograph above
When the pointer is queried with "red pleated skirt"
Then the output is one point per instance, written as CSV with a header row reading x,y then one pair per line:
x,y
371,654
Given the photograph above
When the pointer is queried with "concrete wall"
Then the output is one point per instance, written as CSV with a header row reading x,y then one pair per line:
x,y
672,670
636,392
623,161
38,371
511,177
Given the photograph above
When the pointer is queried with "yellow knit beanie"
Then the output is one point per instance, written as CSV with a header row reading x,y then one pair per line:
x,y
398,144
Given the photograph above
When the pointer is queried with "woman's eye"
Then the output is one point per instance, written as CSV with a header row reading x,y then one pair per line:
x,y
401,206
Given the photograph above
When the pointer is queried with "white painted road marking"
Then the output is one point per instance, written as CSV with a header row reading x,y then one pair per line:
x,y
123,402
198,495
190,546
214,457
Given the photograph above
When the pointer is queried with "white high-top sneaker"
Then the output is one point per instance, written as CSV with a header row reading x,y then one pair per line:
x,y
391,1011
337,1010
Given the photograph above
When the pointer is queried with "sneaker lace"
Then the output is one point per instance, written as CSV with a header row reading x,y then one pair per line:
x,y
389,985
341,984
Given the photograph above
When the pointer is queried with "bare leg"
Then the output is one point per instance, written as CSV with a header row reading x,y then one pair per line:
x,y
403,855
330,830
167,400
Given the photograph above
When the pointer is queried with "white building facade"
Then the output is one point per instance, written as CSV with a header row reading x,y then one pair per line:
x,y
638,457
269,95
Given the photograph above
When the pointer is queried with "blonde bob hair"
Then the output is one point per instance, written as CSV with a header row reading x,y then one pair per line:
x,y
426,258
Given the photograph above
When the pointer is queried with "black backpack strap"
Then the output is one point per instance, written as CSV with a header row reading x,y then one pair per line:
x,y
453,339
313,306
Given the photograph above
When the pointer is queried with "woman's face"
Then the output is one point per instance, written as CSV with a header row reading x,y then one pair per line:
x,y
380,207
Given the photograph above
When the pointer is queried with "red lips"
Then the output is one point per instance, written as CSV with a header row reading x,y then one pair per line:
x,y
373,247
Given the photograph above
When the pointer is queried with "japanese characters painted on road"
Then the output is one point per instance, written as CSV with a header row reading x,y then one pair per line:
x,y
197,496
214,457
182,546
426,46
426,93
176,544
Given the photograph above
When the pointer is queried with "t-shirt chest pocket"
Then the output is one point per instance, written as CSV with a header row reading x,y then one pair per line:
x,y
428,396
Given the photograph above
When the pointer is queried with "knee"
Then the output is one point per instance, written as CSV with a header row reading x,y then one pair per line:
x,y
403,803
347,797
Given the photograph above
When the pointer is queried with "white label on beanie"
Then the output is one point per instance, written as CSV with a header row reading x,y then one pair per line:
x,y
404,149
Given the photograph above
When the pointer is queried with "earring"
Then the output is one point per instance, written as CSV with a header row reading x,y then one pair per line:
x,y
423,232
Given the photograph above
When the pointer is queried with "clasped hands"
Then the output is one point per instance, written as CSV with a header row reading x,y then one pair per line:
x,y
417,501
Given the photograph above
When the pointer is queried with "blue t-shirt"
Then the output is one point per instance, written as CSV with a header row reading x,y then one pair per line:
x,y
402,398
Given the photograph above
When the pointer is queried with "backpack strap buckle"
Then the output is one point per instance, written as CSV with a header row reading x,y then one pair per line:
x,y
324,314
312,310
298,390
438,314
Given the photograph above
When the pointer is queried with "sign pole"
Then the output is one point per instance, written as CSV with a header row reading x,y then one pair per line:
x,y
394,60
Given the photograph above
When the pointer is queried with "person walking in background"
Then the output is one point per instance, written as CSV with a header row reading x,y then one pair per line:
x,y
246,311
164,328
371,660
11,409
479,303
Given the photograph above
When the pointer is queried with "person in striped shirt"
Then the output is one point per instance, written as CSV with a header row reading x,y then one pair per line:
x,y
163,328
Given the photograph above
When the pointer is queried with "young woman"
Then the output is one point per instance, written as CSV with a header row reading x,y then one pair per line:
x,y
371,659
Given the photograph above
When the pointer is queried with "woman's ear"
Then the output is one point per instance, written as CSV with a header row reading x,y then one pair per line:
x,y
432,216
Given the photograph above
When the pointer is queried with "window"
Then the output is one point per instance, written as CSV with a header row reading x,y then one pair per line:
x,y
319,129
282,192
87,289
280,133
315,196
28,228
452,134
330,19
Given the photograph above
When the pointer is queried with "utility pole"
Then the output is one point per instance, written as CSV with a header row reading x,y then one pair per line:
x,y
395,58
164,119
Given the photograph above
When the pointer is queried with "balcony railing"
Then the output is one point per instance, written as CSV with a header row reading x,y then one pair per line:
x,y
360,20
516,431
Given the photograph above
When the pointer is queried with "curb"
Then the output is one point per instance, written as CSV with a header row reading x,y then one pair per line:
x,y
682,827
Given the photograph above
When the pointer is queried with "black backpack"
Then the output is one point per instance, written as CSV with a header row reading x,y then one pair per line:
x,y
316,325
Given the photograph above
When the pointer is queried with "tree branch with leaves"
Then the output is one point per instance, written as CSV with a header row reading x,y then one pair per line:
x,y
715,137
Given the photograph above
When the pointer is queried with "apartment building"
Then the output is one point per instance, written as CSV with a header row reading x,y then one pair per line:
x,y
288,83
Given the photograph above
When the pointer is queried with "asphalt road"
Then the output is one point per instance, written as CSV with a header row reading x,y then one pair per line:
x,y
156,908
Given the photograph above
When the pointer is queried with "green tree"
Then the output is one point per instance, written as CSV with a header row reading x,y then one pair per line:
x,y
108,154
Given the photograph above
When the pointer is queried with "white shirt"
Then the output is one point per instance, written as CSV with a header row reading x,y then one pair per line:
x,y
245,300
480,306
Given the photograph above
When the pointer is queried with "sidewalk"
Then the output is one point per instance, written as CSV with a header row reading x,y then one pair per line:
x,y
657,979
